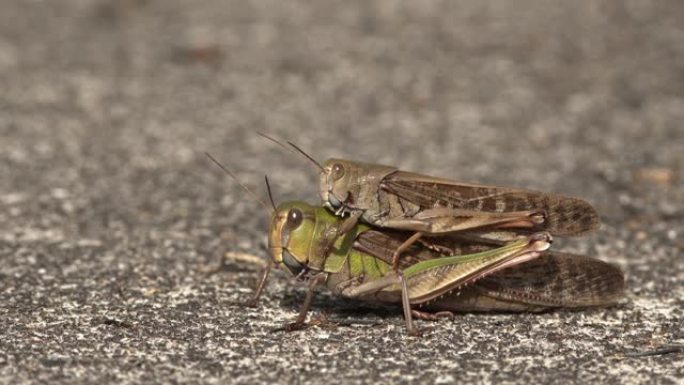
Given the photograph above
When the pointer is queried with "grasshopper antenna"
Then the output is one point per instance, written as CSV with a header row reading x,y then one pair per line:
x,y
306,155
275,141
270,195
299,150
250,192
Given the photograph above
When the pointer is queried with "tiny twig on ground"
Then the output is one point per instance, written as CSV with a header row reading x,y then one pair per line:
x,y
661,350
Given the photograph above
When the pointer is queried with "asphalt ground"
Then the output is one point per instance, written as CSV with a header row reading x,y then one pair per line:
x,y
110,215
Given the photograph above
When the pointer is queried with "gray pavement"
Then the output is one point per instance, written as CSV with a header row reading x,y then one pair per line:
x,y
110,214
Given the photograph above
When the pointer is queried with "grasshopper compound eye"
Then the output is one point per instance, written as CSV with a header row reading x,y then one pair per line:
x,y
294,219
337,171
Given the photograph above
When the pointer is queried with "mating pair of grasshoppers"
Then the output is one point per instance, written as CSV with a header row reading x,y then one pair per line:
x,y
434,245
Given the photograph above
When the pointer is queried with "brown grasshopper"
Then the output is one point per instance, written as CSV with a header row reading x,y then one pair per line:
x,y
384,196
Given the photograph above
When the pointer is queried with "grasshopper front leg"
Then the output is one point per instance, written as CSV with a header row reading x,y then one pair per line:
x,y
300,322
260,286
343,229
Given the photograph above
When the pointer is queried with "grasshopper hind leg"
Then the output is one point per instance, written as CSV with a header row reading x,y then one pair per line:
x,y
406,304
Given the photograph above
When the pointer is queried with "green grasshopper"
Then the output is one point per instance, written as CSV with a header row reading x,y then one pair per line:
x,y
358,266
517,276
384,196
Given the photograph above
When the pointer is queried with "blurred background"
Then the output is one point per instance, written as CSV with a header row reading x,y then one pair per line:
x,y
109,210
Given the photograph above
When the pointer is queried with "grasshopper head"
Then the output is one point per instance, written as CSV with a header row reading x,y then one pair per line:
x,y
289,239
337,188
347,185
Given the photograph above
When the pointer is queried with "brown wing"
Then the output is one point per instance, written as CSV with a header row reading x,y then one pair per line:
x,y
551,281
382,244
565,215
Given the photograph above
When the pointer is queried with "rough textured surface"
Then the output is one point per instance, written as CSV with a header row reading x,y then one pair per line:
x,y
109,212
